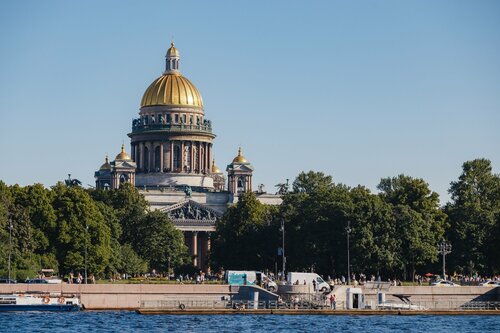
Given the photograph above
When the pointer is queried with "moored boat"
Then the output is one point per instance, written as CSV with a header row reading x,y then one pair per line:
x,y
39,302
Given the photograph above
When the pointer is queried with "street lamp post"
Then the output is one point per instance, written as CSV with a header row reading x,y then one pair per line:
x,y
86,233
10,245
283,248
444,248
348,232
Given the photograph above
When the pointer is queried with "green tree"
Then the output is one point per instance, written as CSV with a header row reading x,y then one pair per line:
x,y
131,210
474,214
130,262
316,216
80,226
420,223
6,202
162,243
241,239
375,244
312,182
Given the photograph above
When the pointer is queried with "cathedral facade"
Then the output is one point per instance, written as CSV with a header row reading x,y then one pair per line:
x,y
171,161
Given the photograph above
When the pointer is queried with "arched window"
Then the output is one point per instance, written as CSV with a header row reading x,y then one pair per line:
x,y
123,178
241,185
157,159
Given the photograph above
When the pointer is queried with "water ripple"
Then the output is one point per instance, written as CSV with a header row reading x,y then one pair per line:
x,y
123,321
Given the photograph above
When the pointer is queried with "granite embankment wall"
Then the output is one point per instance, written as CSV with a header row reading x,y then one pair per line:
x,y
130,296
430,297
125,296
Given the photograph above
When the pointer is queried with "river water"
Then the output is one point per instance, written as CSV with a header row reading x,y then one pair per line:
x,y
126,321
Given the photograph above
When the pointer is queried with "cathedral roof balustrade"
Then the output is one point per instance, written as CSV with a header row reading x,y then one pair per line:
x,y
138,126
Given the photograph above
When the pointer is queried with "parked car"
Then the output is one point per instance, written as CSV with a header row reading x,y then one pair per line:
x,y
308,278
36,281
491,283
5,280
444,283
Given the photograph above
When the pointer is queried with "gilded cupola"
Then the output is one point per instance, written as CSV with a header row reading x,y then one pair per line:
x,y
215,169
123,156
106,165
172,88
240,158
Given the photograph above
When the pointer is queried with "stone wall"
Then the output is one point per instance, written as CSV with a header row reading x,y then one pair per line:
x,y
124,296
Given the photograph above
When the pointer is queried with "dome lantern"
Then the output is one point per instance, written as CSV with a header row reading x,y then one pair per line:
x,y
171,88
172,59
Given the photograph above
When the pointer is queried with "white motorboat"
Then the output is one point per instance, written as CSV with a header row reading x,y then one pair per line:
x,y
39,302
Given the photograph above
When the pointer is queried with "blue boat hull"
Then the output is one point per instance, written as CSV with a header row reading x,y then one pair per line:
x,y
40,307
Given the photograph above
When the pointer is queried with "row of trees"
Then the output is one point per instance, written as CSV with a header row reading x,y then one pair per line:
x,y
393,233
54,228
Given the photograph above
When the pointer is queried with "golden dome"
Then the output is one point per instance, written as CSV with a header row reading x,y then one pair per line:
x,y
106,165
172,51
240,158
172,89
215,169
123,156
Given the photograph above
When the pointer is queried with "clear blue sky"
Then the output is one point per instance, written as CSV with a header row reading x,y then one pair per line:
x,y
357,89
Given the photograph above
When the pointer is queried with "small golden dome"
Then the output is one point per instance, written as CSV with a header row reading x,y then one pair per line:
x,y
215,169
172,89
173,52
106,165
240,158
123,156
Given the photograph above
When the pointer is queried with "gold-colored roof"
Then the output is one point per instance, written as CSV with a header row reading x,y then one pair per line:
x,y
172,89
215,169
123,156
172,51
106,165
240,158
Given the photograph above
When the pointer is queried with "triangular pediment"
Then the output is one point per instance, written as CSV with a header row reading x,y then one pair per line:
x,y
241,167
189,210
125,165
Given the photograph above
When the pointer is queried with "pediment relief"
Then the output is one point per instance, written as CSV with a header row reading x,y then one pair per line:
x,y
191,210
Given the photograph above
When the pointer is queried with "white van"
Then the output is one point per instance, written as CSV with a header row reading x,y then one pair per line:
x,y
308,278
241,278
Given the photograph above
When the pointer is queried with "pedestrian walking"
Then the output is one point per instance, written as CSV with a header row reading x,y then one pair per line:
x,y
333,302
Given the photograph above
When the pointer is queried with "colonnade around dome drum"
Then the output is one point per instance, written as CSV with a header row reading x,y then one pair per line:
x,y
172,156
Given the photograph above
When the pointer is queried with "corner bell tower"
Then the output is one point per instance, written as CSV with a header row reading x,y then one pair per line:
x,y
239,175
